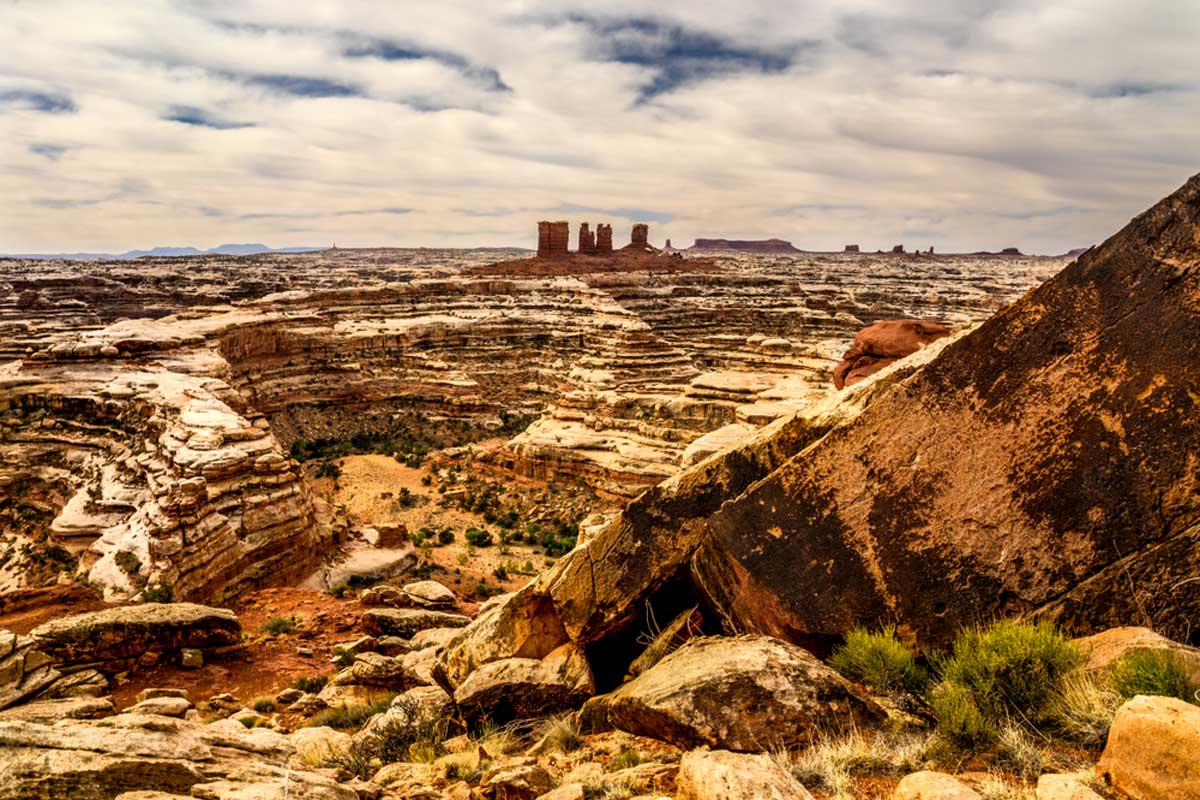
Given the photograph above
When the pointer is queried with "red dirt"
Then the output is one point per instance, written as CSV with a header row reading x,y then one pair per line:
x,y
264,664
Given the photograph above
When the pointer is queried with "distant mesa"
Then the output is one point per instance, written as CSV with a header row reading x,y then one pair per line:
x,y
170,252
746,245
898,248
851,248
1008,251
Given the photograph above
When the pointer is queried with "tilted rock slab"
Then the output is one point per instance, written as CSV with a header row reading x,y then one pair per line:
x,y
1043,464
744,693
526,688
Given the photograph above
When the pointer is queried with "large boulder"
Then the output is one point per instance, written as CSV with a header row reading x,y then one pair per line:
x,y
525,688
743,693
1153,749
722,775
929,785
884,343
126,632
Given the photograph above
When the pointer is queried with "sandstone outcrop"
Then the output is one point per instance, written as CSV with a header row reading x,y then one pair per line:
x,y
405,622
526,688
744,693
929,785
884,343
1153,749
553,239
130,631
101,759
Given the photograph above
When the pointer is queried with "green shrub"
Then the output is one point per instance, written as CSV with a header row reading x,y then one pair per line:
x,y
342,657
280,625
159,593
338,590
960,721
1011,668
879,660
478,538
1151,672
445,536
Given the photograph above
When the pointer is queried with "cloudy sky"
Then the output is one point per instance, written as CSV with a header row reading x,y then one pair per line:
x,y
967,124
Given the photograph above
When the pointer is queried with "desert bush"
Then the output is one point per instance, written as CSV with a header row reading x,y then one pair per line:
x,y
960,721
159,593
880,661
280,625
310,684
445,536
478,538
404,734
1151,672
343,657
264,705
1009,669
1084,708
338,590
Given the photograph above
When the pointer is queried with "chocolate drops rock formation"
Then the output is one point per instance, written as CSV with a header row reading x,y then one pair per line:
x,y
1041,465
884,343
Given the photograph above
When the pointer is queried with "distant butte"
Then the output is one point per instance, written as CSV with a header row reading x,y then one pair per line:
x,y
746,245
595,254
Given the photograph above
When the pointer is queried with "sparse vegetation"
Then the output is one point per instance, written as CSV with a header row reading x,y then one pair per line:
x,y
627,757
159,593
831,764
560,733
349,715
1151,672
880,661
264,705
478,538
310,684
1006,669
1084,709
403,734
280,626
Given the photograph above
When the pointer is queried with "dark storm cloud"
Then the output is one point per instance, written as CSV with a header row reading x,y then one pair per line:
x,y
681,55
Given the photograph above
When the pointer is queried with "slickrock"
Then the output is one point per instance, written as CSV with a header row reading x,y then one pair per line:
x,y
1052,786
1153,749
722,775
784,697
101,759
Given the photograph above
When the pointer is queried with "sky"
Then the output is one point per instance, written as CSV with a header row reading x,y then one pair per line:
x,y
1041,124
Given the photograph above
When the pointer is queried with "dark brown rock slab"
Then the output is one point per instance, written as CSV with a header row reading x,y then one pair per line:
x,y
129,631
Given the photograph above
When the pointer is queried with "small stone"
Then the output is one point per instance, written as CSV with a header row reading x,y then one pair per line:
x,y
191,658
161,706
151,693
304,652
288,696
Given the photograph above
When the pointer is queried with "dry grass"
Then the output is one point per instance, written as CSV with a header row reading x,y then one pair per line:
x,y
832,764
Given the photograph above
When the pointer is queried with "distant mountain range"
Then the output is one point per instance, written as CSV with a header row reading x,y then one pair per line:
x,y
222,250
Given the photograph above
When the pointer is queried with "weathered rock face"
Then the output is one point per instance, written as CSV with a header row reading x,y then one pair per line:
x,y
553,239
883,343
1026,470
1153,749
604,242
928,785
640,234
746,693
526,688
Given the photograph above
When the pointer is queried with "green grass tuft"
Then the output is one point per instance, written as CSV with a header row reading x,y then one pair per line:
x,y
1151,672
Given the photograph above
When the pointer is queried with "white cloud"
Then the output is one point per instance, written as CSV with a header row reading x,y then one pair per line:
x,y
962,125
